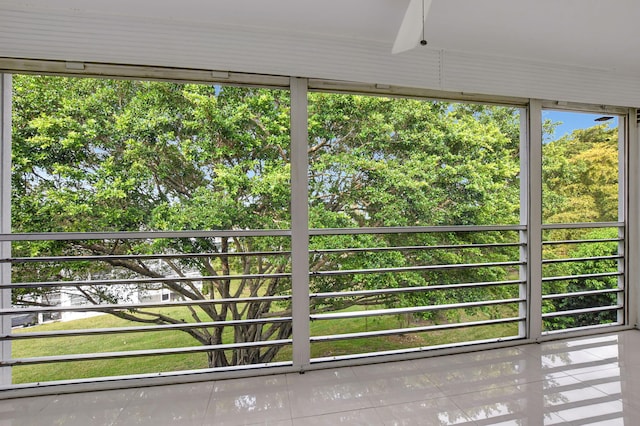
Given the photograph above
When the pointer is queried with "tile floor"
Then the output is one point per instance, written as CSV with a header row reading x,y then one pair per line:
x,y
594,380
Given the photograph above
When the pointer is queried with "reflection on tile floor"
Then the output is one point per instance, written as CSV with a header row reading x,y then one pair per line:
x,y
592,380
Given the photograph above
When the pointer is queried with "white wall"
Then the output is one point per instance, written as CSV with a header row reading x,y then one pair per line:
x,y
33,33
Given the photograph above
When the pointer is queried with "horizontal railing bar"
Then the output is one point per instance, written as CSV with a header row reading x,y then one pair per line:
x,y
136,235
43,259
409,330
137,281
143,235
583,225
416,248
139,353
581,259
148,328
457,347
106,257
582,293
584,327
109,307
396,311
412,289
595,240
571,277
417,268
581,311
415,229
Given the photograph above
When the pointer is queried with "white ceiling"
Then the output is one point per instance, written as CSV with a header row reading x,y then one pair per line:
x,y
591,33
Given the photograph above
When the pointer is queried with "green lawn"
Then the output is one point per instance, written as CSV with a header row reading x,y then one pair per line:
x,y
173,339
109,343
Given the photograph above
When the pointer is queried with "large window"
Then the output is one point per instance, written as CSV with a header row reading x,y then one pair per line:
x,y
149,173
583,215
425,190
161,227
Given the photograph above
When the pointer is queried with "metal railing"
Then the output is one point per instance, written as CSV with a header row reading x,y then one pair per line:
x,y
375,291
583,291
225,314
427,295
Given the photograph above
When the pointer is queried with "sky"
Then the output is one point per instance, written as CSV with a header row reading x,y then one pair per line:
x,y
572,121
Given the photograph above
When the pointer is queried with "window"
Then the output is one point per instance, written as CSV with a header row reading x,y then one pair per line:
x,y
584,235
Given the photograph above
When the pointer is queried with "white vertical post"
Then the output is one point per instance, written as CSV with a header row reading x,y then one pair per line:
x,y
531,216
524,217
622,212
300,223
632,166
5,219
534,218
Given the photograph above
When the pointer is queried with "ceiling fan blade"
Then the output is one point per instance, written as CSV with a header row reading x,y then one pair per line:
x,y
410,31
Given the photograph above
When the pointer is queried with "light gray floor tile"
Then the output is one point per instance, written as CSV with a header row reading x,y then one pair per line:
x,y
591,380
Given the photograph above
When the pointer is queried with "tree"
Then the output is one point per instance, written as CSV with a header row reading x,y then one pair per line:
x,y
384,162
580,176
580,184
130,155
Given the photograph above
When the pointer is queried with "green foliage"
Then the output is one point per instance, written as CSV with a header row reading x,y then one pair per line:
x,y
398,162
580,177
585,250
378,162
108,155
580,184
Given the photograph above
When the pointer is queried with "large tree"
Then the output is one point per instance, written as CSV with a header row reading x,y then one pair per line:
x,y
580,184
112,155
580,176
